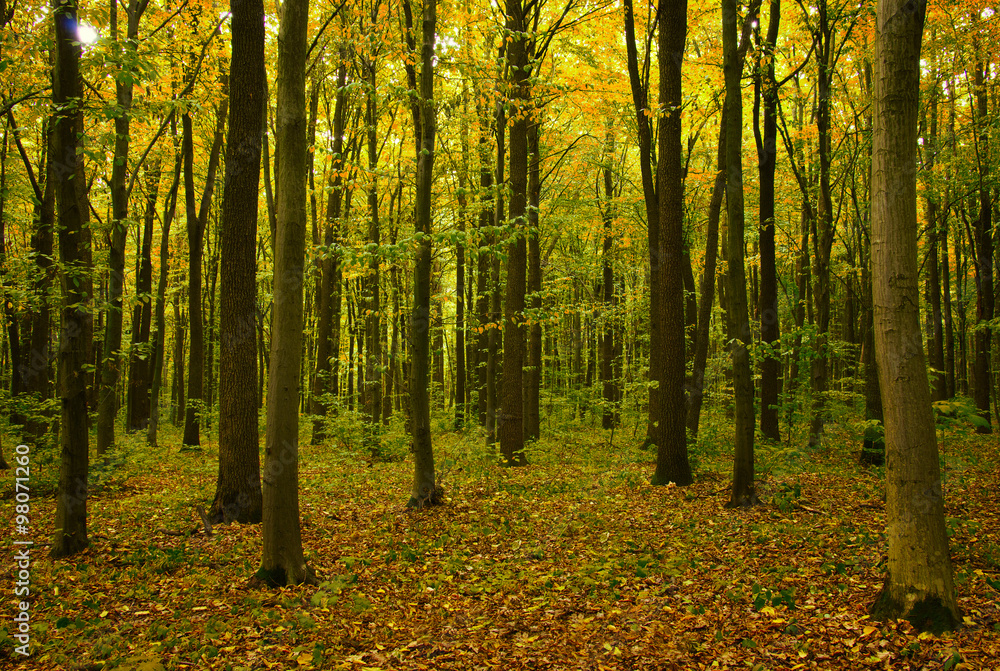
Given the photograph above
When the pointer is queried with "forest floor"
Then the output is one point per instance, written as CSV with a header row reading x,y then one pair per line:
x,y
574,562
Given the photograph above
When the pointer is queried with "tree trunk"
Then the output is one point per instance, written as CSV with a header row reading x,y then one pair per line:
x,y
74,254
370,283
282,561
160,337
919,584
326,363
196,220
494,343
610,343
237,492
139,358
107,409
424,490
770,334
667,366
743,491
510,422
984,258
533,372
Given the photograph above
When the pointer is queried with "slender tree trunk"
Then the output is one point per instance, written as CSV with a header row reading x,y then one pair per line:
x,y
160,337
107,409
919,581
984,258
139,357
949,330
533,371
237,493
743,490
667,359
484,263
370,284
770,334
424,490
282,561
611,416
196,221
494,338
74,254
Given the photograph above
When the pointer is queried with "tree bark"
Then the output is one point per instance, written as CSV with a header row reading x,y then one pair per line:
x,y
196,221
919,584
770,334
139,355
424,491
160,336
667,364
743,490
76,330
107,409
282,561
237,493
510,422
984,257
533,371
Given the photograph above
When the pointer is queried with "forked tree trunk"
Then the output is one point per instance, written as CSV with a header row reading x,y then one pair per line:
x,y
238,493
282,561
74,254
919,581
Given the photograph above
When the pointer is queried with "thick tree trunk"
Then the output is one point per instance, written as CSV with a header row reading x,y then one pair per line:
x,y
424,490
510,422
667,358
237,492
74,254
282,561
743,490
919,584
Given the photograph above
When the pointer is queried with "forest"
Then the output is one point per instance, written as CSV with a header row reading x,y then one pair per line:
x,y
570,334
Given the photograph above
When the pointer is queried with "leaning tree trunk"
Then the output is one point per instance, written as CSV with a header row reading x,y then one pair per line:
x,y
667,364
74,254
237,491
282,561
424,490
919,582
